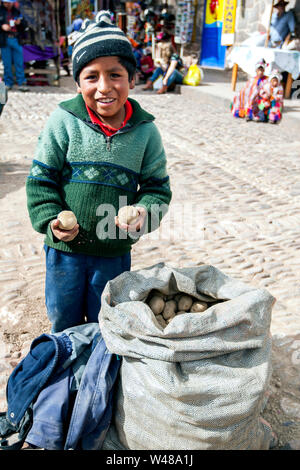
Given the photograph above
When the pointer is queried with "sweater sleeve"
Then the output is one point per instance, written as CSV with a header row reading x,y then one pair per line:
x,y
154,186
44,200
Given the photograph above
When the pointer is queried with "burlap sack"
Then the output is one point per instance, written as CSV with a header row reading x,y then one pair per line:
x,y
199,383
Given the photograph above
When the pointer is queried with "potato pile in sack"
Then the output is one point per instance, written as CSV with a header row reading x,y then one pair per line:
x,y
196,359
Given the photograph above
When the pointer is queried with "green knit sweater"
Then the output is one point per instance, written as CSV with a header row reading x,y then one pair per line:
x,y
78,168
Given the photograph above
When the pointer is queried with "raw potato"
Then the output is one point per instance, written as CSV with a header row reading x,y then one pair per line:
x,y
169,309
67,220
185,303
158,293
128,215
199,306
157,304
161,321
166,307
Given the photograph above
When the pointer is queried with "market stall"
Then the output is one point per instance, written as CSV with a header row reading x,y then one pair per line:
x,y
184,25
41,42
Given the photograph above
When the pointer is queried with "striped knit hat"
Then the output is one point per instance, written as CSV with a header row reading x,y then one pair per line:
x,y
99,38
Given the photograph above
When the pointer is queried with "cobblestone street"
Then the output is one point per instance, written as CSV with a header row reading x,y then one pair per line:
x,y
236,193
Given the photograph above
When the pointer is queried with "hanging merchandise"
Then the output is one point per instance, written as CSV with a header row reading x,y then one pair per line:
x,y
133,11
40,18
184,21
40,41
82,8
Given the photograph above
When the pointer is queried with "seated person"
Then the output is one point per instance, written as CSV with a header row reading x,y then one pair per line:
x,y
242,105
164,47
270,100
283,25
172,74
137,49
146,64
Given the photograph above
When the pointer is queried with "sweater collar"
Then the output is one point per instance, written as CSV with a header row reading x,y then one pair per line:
x,y
76,106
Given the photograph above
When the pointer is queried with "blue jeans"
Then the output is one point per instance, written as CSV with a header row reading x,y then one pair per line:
x,y
74,285
11,54
175,77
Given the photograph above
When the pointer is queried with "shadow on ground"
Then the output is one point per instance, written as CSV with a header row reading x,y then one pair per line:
x,y
12,177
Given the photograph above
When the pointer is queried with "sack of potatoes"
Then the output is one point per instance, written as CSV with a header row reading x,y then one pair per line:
x,y
166,307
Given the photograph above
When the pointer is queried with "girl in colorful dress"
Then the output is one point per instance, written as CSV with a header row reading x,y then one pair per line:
x,y
242,105
270,100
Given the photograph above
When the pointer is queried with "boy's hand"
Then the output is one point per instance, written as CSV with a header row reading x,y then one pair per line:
x,y
64,235
6,27
138,225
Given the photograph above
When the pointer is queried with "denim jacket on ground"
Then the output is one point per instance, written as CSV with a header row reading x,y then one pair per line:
x,y
79,354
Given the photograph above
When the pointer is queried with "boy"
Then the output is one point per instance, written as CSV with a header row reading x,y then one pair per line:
x,y
99,151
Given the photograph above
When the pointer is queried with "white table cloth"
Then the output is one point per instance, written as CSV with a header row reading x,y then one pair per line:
x,y
247,56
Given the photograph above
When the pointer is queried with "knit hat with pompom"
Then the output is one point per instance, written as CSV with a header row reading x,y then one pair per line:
x,y
100,38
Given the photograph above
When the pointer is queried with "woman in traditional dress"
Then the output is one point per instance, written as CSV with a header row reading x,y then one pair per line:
x,y
242,105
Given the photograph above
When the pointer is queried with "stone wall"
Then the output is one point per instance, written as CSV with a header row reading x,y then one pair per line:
x,y
254,15
251,16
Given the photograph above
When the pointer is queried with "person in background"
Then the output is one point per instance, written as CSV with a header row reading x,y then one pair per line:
x,y
76,25
146,64
270,100
168,64
12,25
64,59
174,74
283,25
137,49
243,105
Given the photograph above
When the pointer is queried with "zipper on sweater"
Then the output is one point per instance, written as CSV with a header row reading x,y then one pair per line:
x,y
120,131
108,138
108,141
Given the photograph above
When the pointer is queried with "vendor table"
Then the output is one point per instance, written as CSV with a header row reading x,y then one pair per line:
x,y
246,57
32,52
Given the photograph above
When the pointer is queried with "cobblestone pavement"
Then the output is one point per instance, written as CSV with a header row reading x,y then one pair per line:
x,y
235,205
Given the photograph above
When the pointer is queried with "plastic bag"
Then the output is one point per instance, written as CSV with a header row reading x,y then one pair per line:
x,y
193,76
158,83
